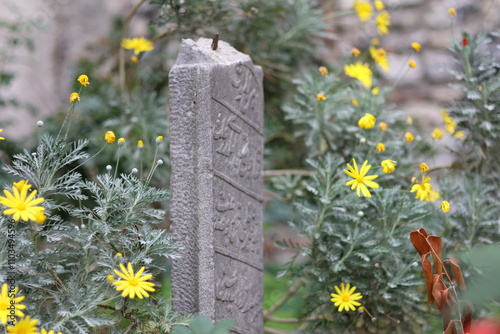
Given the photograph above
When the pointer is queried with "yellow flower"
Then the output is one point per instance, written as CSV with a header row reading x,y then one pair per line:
x,y
361,72
460,135
74,97
1,138
437,133
22,206
134,59
424,168
434,195
24,326
379,5
49,332
8,298
139,44
360,179
449,124
345,298
40,217
380,57
388,166
452,12
375,91
445,206
119,254
363,9
423,189
416,46
121,141
323,70
133,284
321,97
159,139
409,137
409,120
140,144
355,52
110,278
367,121
412,63
84,80
21,184
383,20
355,102
380,147
375,41
110,137
382,126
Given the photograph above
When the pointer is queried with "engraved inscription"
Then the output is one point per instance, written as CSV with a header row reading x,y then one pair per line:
x,y
246,84
238,293
237,222
237,148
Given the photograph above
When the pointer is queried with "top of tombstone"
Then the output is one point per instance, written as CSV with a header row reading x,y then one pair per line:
x,y
192,52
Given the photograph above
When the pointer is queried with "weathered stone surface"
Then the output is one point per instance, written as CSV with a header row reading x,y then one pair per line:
x,y
216,105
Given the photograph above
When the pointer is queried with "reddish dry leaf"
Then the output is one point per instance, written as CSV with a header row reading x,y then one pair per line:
x,y
419,240
427,269
457,273
436,246
438,287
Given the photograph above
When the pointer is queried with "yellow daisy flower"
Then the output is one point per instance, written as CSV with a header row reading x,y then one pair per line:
x,y
409,137
24,326
133,284
388,166
445,206
84,80
364,10
110,137
412,63
360,71
345,298
383,20
6,301
22,206
437,133
367,121
355,52
380,57
423,189
379,5
323,71
380,147
1,138
139,44
74,97
424,168
452,12
416,46
321,97
360,179
382,126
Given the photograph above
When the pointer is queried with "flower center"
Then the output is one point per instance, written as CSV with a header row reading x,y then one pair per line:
x,y
21,207
345,298
359,179
3,307
133,281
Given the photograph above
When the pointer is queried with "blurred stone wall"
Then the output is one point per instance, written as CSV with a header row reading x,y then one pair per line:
x,y
60,30
425,89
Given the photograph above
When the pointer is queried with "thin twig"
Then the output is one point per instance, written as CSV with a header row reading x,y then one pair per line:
x,y
294,320
273,331
283,300
58,280
276,172
121,52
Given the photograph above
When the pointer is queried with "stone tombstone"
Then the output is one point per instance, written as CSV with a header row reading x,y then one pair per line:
x,y
216,133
